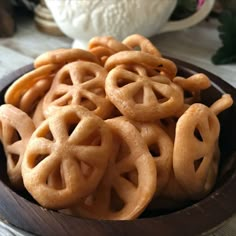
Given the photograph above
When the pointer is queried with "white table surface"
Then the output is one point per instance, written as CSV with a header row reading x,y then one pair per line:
x,y
195,45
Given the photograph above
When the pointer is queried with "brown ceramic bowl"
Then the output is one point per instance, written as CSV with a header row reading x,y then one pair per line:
x,y
20,210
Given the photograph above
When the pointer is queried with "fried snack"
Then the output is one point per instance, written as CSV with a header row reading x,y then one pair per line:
x,y
26,92
195,82
160,147
168,125
117,196
172,196
102,53
38,116
63,56
73,137
142,58
145,45
107,42
196,152
15,130
222,104
140,97
193,85
79,83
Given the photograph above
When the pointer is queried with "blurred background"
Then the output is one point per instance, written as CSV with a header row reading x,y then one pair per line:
x,y
28,28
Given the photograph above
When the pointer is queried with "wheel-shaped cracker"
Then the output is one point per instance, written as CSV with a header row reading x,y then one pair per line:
x,y
141,97
73,144
16,129
196,154
142,58
145,45
118,197
160,147
63,56
26,92
79,83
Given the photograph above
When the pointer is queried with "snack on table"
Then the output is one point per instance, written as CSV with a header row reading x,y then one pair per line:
x,y
63,56
16,129
163,65
71,138
79,83
138,41
160,147
142,97
118,196
26,92
161,152
196,155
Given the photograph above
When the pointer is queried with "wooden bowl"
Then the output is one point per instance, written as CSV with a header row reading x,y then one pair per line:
x,y
20,210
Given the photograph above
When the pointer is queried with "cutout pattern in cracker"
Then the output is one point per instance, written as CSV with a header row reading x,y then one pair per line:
x,y
141,97
74,145
16,130
79,83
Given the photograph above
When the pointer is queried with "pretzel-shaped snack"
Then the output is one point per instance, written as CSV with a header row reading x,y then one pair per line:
x,y
160,147
140,97
196,154
63,56
26,92
16,129
142,58
117,196
64,143
79,83
145,45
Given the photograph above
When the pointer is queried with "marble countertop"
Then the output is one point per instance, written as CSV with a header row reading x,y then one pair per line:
x,y
195,45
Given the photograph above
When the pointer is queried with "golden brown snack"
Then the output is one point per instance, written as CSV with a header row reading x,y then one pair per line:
x,y
172,197
64,144
16,128
107,42
145,45
63,56
118,197
195,82
160,147
196,153
102,53
193,86
38,116
142,97
222,104
26,92
79,83
147,60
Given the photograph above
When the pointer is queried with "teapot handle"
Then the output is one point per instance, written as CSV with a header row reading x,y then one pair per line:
x,y
191,20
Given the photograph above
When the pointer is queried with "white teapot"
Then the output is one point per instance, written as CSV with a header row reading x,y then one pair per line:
x,y
83,19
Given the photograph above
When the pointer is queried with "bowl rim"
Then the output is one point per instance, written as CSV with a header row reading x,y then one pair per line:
x,y
211,210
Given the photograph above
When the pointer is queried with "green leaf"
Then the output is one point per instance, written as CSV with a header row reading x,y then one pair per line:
x,y
227,33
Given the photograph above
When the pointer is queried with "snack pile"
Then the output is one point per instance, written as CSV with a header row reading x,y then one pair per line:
x,y
107,132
